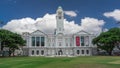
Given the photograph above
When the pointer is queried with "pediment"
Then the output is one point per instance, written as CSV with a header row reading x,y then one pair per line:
x,y
82,32
38,32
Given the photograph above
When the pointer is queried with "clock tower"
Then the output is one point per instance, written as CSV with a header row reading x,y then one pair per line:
x,y
60,20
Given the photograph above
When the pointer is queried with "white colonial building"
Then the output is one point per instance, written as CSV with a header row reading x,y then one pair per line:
x,y
58,43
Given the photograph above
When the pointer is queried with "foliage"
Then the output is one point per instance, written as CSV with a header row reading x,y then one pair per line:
x,y
10,40
108,40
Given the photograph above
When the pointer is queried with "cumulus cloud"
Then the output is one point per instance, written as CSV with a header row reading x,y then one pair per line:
x,y
114,14
71,13
47,24
92,25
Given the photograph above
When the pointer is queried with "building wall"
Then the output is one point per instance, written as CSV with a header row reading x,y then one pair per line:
x,y
68,46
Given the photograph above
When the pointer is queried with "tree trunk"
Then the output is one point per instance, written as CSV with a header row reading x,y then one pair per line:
x,y
13,52
110,53
2,51
9,52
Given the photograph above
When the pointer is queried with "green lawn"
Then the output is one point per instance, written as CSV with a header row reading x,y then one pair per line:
x,y
61,62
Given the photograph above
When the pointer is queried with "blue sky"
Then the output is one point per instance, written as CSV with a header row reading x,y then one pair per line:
x,y
17,9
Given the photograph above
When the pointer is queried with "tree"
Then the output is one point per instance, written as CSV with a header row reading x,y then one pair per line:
x,y
108,40
10,40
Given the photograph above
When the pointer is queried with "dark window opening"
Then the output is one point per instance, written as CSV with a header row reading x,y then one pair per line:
x,y
87,51
42,52
37,41
82,51
42,41
33,41
37,52
82,40
32,52
78,51
60,17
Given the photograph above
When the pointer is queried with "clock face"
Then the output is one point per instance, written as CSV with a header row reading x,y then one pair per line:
x,y
59,13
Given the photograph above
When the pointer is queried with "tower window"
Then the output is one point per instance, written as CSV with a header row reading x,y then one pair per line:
x,y
60,29
60,17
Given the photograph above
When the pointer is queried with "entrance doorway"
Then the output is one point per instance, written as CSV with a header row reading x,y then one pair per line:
x,y
60,52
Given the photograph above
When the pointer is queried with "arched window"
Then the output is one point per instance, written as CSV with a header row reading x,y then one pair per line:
x,y
32,52
78,51
42,52
87,51
37,52
82,51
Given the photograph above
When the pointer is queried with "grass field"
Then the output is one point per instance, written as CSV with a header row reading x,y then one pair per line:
x,y
61,62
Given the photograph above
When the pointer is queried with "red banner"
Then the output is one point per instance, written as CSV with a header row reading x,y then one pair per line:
x,y
77,41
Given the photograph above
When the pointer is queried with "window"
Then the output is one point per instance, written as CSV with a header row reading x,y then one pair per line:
x,y
87,51
42,52
82,51
66,44
59,43
60,17
87,40
78,51
60,29
32,52
82,40
33,41
49,44
70,44
53,44
37,41
42,41
37,52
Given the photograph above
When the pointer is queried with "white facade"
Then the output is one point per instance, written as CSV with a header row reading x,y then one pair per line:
x,y
58,44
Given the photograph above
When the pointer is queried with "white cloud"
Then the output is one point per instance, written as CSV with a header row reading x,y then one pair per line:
x,y
92,25
47,24
114,14
71,13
